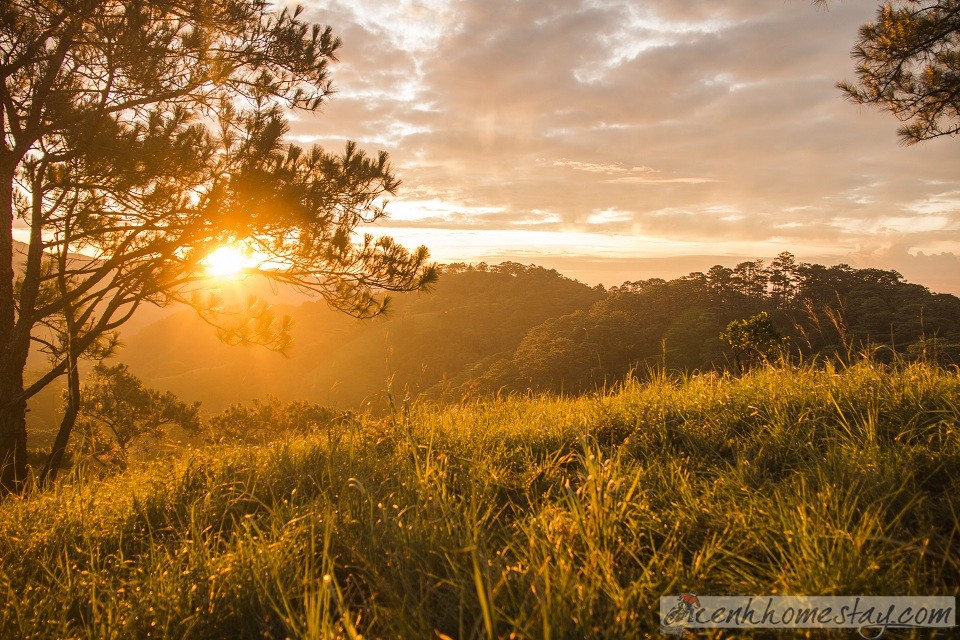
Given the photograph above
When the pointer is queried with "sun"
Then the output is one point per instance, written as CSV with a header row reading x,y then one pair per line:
x,y
227,262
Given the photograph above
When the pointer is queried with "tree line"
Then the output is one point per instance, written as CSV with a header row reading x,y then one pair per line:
x,y
679,325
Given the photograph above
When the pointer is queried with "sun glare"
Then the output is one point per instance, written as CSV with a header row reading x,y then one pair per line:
x,y
226,262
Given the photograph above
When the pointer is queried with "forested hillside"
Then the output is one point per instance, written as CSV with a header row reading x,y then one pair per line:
x,y
823,311
509,327
471,314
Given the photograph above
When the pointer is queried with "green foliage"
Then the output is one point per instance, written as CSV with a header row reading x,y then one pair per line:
x,y
643,326
117,409
268,420
908,63
934,351
538,517
755,339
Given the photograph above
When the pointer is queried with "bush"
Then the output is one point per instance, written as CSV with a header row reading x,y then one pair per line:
x,y
268,420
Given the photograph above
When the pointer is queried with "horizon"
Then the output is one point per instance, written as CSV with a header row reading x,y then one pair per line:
x,y
611,272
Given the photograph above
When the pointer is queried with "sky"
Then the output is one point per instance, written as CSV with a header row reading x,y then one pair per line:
x,y
618,139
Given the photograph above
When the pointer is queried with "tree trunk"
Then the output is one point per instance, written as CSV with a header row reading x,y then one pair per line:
x,y
13,431
52,466
55,461
7,303
13,353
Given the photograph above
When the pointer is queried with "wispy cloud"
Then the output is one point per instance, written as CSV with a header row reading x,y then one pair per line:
x,y
524,115
655,180
609,216
593,167
626,175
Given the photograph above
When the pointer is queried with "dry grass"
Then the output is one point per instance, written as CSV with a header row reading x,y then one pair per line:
x,y
523,517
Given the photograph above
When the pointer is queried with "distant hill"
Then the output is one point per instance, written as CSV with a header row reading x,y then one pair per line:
x,y
425,340
512,327
824,311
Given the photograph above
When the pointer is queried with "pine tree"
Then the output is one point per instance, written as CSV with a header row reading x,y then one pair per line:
x,y
908,63
137,137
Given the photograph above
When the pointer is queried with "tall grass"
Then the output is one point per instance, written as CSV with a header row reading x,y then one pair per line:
x,y
537,517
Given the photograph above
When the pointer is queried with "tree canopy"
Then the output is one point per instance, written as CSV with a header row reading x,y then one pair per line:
x,y
117,409
759,312
754,339
139,137
908,63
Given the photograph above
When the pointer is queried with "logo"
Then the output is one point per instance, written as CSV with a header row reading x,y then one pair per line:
x,y
683,611
871,616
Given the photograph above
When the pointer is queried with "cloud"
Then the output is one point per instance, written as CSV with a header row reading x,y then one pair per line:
x,y
592,167
626,175
704,121
650,180
609,216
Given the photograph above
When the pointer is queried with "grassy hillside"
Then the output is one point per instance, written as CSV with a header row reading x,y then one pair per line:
x,y
541,517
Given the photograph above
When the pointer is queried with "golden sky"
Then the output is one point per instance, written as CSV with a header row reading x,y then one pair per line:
x,y
619,139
